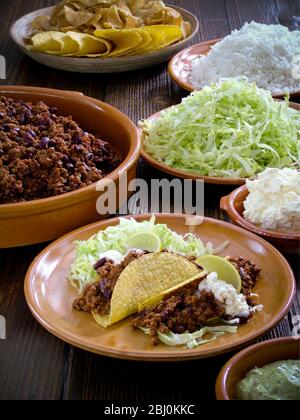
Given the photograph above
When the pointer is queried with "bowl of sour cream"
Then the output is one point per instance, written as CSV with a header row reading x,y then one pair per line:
x,y
270,207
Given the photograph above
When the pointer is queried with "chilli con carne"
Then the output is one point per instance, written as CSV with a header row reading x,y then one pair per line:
x,y
43,154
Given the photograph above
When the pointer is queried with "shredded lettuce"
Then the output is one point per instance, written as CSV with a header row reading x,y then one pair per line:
x,y
194,340
115,238
229,129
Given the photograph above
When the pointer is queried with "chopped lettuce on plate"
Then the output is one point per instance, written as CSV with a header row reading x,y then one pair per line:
x,y
231,129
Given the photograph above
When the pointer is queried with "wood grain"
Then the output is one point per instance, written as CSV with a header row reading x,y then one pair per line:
x,y
35,365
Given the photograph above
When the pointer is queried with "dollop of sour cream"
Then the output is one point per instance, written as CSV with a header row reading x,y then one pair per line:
x,y
235,304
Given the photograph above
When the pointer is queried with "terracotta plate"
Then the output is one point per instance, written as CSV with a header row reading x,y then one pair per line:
x,y
180,67
50,297
189,175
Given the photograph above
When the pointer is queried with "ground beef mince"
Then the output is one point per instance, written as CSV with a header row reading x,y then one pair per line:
x,y
183,310
96,297
249,274
43,154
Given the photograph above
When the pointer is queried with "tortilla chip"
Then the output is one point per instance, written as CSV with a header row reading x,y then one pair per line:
x,y
147,40
46,42
163,36
144,278
125,40
77,18
90,45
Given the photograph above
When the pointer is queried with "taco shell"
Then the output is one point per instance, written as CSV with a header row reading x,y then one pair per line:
x,y
147,276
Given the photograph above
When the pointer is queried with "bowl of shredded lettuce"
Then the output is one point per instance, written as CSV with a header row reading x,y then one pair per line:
x,y
228,132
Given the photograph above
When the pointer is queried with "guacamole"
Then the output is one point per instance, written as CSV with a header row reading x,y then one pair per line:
x,y
276,381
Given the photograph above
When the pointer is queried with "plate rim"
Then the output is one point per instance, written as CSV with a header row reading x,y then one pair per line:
x,y
187,175
72,339
186,85
111,60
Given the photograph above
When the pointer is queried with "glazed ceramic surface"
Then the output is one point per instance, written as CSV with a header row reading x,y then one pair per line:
x,y
50,296
259,355
233,205
180,67
43,220
187,175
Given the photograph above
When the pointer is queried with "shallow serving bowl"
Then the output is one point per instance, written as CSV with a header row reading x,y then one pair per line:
x,y
46,219
189,175
233,205
258,355
180,67
22,29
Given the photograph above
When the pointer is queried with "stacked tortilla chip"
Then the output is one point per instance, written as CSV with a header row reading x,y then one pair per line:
x,y
107,28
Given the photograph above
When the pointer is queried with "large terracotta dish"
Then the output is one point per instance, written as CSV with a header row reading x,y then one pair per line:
x,y
233,205
188,175
180,67
43,220
22,29
50,297
259,355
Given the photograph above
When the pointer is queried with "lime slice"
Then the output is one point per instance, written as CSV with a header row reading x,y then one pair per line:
x,y
145,241
225,270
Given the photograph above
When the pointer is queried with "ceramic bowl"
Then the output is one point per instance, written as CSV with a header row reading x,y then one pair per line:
x,y
22,29
180,67
46,219
178,173
259,355
233,205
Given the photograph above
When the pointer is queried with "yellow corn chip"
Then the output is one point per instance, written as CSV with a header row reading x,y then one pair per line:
x,y
90,45
124,40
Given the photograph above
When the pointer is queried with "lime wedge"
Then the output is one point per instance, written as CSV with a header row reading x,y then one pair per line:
x,y
144,241
225,270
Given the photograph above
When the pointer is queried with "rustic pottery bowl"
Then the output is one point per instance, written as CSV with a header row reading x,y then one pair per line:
x,y
180,67
178,173
233,205
259,355
22,29
47,219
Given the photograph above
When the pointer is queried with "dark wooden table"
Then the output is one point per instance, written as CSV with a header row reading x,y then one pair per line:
x,y
36,365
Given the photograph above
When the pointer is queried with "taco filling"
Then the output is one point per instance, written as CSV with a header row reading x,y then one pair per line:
x,y
124,283
206,305
96,297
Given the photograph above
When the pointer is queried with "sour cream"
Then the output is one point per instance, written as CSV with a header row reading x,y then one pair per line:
x,y
235,304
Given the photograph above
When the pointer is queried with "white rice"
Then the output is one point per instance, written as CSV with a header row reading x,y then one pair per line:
x,y
265,54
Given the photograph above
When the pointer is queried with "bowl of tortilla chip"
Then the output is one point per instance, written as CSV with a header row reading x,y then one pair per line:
x,y
91,36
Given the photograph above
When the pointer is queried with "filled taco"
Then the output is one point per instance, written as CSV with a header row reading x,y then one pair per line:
x,y
123,285
201,309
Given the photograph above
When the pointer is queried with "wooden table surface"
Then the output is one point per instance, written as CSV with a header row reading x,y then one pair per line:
x,y
36,365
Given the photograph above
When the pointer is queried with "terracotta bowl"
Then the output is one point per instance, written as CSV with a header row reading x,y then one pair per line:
x,y
178,173
47,219
233,205
180,67
259,355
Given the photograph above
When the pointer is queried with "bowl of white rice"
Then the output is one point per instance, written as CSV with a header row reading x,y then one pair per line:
x,y
268,55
